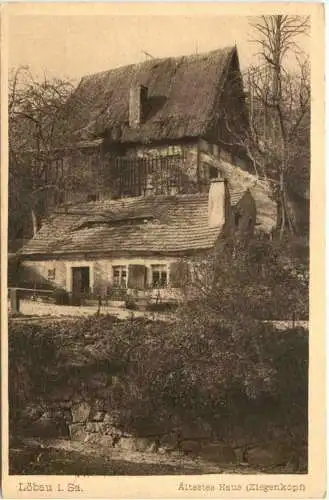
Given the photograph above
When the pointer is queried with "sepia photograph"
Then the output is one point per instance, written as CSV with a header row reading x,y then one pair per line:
x,y
158,239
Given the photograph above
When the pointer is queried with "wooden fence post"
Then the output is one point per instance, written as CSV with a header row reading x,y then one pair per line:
x,y
99,305
14,300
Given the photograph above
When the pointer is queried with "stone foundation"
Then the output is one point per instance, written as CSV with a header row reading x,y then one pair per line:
x,y
97,424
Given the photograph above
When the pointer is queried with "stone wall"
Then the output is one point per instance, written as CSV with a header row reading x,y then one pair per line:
x,y
94,422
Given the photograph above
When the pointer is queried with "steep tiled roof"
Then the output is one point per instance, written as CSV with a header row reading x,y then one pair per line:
x,y
143,224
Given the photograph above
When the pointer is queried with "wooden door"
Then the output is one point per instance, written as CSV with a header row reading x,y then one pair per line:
x,y
80,280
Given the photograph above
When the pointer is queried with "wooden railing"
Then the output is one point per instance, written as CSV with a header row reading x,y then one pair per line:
x,y
141,176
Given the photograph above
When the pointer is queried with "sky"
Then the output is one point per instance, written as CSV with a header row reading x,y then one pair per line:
x,y
71,46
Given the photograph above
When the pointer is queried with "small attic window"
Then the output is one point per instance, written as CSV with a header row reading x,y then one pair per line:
x,y
129,221
134,221
51,273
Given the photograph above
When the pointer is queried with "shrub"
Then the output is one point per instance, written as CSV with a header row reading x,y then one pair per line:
x,y
255,279
160,375
32,357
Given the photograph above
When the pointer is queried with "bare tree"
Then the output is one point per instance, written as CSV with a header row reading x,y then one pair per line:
x,y
36,134
284,97
276,136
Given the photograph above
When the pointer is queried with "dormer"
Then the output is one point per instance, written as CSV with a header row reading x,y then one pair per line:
x,y
137,105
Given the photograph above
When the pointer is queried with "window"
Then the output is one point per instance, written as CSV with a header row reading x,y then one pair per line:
x,y
213,173
51,273
159,276
120,276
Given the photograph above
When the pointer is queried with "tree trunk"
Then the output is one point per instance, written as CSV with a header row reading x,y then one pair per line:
x,y
282,207
34,221
285,222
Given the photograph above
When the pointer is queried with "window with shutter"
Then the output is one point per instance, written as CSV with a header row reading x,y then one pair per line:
x,y
119,276
51,273
159,276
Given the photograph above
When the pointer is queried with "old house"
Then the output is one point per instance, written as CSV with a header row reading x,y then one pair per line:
x,y
141,129
168,180
143,244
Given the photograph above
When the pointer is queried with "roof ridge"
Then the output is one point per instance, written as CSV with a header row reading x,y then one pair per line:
x,y
157,60
126,201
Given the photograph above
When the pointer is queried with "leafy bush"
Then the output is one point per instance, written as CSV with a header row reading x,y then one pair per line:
x,y
160,375
252,279
32,357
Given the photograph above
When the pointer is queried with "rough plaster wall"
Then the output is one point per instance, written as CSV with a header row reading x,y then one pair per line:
x,y
36,272
216,208
102,276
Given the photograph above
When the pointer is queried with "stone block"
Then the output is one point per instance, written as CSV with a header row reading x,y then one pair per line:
x,y
110,418
127,444
78,432
107,429
57,413
169,441
99,405
63,395
145,445
97,416
65,405
190,446
80,412
195,431
98,380
32,413
95,427
220,453
48,428
99,439
267,456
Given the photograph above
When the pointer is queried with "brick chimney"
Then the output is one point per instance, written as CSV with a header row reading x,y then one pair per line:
x,y
217,203
137,102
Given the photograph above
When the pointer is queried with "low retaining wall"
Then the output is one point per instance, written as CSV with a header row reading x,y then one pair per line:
x,y
97,424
